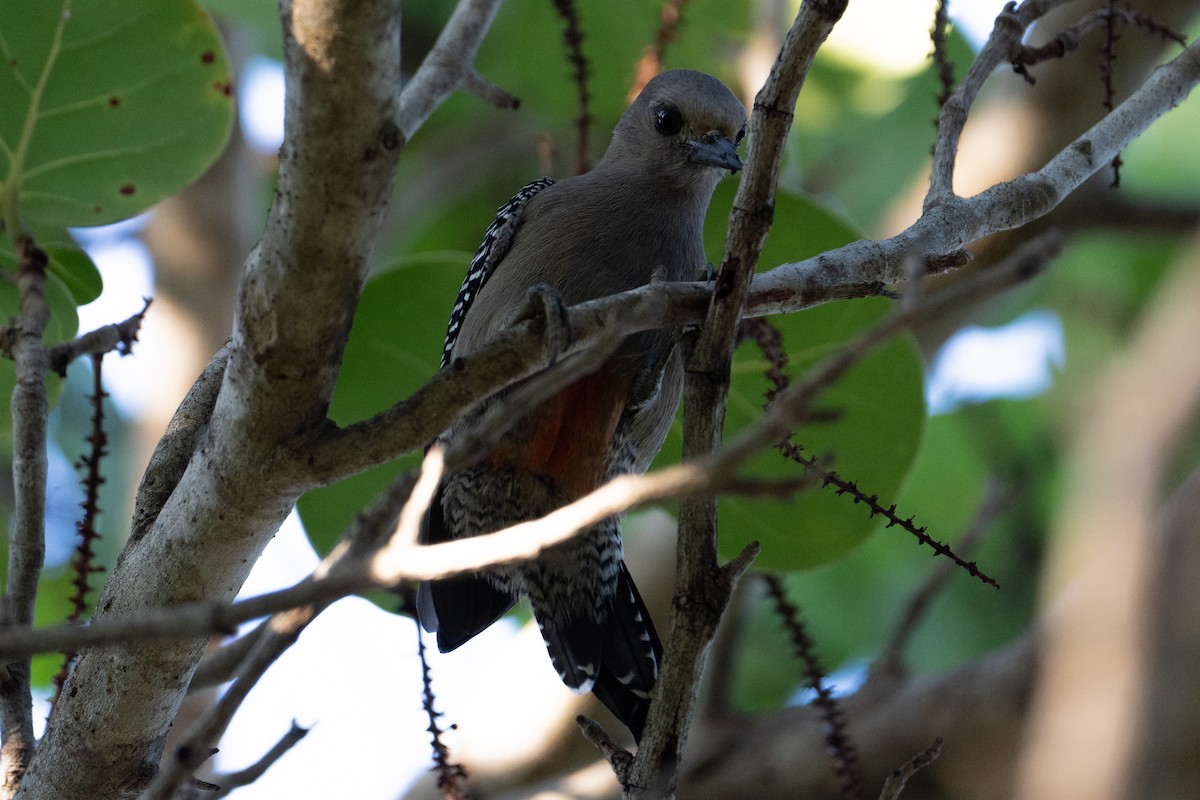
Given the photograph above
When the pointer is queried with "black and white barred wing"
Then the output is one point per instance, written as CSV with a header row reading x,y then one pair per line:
x,y
497,240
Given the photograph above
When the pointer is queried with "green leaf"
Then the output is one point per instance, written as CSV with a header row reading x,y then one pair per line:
x,y
68,262
109,105
71,265
878,407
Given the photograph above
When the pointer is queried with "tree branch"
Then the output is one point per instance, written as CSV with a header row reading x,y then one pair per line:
x,y
297,297
1004,40
450,67
702,588
247,776
27,551
119,336
174,450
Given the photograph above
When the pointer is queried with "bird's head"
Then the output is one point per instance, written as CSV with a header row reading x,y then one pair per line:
x,y
683,129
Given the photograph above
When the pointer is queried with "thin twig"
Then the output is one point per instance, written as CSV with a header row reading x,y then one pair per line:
x,y
177,767
1068,40
617,757
450,67
896,782
119,336
247,776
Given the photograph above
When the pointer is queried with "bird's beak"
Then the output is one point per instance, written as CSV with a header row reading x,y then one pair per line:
x,y
715,150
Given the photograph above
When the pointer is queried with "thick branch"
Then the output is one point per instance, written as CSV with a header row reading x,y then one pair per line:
x,y
403,559
297,297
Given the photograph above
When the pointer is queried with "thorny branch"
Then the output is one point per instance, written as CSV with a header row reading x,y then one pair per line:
x,y
945,70
995,497
837,739
452,777
573,39
770,342
83,566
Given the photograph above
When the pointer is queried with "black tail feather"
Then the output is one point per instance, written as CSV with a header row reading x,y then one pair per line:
x,y
456,608
459,608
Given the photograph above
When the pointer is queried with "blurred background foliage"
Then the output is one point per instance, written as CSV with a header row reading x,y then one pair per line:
x,y
856,160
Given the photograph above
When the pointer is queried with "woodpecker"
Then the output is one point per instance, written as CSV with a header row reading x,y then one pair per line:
x,y
638,215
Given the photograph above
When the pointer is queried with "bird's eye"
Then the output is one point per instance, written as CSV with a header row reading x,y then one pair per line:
x,y
667,120
740,135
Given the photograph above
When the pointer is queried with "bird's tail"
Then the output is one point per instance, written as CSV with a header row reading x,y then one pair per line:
x,y
616,658
456,608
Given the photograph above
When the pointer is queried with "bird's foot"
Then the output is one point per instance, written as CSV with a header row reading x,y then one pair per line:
x,y
545,304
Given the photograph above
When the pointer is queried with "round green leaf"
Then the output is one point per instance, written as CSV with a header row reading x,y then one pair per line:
x,y
109,105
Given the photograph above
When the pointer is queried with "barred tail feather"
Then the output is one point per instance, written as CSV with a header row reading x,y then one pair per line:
x,y
631,657
616,659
